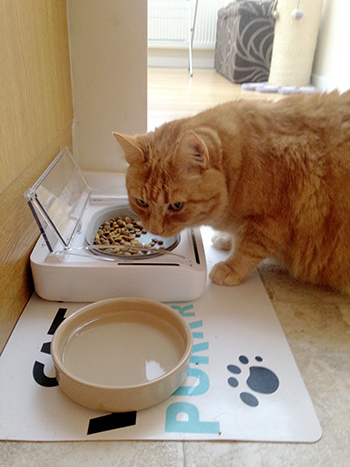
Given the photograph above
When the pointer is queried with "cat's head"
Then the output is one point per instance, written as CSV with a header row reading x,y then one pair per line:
x,y
173,180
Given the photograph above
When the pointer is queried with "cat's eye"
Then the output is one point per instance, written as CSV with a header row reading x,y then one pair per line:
x,y
175,206
141,203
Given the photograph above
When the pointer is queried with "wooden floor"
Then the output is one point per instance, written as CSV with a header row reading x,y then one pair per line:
x,y
173,94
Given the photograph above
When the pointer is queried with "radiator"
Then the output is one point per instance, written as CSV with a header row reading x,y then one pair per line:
x,y
171,20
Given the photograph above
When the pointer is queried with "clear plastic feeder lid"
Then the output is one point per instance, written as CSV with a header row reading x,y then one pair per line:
x,y
58,199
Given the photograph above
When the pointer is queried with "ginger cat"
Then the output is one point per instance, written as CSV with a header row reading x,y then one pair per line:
x,y
274,175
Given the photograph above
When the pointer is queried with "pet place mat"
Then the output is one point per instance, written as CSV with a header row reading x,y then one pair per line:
x,y
243,383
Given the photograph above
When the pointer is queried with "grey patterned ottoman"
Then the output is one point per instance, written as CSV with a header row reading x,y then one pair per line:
x,y
244,41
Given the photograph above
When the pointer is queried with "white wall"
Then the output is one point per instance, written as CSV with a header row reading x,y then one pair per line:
x,y
332,64
108,46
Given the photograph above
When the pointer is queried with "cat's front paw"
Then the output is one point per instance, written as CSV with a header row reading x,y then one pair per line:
x,y
222,274
221,240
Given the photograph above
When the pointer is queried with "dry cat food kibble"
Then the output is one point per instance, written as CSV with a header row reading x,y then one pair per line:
x,y
124,233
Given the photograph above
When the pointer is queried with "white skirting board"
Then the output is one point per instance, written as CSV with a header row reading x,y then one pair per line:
x,y
178,57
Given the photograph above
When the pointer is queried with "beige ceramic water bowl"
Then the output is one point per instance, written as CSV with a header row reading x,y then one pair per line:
x,y
122,354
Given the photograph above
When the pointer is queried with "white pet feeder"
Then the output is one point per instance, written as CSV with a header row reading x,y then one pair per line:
x,y
67,267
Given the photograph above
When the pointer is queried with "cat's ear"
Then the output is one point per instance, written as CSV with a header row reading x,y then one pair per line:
x,y
192,152
132,151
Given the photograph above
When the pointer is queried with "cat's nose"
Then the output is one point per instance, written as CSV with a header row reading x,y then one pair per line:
x,y
156,225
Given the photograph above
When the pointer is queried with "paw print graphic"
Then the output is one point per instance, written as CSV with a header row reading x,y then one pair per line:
x,y
260,380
